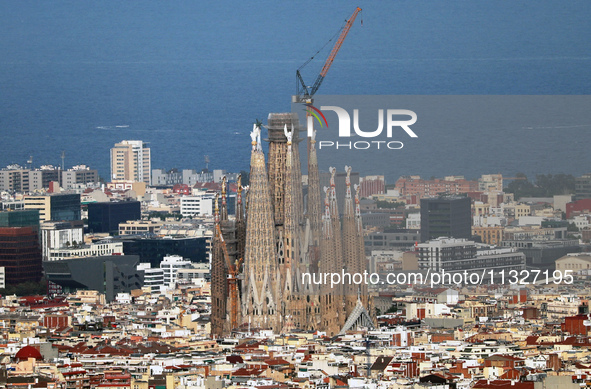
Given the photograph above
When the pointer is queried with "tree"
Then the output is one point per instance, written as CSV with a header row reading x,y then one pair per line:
x,y
393,309
388,204
521,187
545,185
26,288
558,184
394,227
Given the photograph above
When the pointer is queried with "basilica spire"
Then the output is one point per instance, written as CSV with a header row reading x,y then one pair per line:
x,y
261,293
224,209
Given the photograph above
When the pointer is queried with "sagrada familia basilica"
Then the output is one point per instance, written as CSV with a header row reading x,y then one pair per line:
x,y
259,255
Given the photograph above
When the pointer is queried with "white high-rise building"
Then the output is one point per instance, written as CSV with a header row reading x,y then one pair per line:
x,y
171,264
60,235
153,277
130,161
197,205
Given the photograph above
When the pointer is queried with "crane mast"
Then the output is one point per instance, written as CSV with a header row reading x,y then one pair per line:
x,y
304,93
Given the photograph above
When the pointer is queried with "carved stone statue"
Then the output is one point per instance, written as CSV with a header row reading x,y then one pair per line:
x,y
254,135
333,172
288,134
348,179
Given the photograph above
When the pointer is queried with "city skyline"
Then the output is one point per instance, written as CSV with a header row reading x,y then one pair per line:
x,y
394,244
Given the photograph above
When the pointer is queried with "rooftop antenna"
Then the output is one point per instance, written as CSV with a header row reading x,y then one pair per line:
x,y
63,158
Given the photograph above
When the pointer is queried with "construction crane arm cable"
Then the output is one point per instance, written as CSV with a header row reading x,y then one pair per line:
x,y
304,91
324,46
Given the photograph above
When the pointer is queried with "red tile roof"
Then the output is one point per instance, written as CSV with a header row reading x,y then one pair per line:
x,y
276,362
243,372
234,359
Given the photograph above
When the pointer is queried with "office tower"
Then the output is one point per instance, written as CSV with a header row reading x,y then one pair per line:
x,y
20,251
106,216
583,187
448,217
55,206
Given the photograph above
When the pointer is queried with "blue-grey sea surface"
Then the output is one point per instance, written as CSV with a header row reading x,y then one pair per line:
x,y
190,77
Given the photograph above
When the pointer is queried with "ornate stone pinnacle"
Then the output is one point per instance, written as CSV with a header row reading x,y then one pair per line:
x,y
239,189
217,209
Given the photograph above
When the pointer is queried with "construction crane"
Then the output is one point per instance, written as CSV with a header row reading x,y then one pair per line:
x,y
305,93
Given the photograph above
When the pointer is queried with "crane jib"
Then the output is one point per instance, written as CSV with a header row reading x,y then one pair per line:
x,y
306,91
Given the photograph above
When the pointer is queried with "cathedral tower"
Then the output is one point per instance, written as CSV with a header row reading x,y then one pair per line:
x,y
261,297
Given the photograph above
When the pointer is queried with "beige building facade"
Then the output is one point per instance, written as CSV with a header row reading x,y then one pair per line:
x,y
131,161
489,235
575,262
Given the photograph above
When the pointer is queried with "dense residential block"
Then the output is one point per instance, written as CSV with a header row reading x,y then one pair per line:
x,y
18,179
452,185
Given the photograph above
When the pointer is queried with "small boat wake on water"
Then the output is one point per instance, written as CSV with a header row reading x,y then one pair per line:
x,y
112,127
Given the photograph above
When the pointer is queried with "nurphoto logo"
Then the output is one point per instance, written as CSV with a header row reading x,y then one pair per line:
x,y
394,119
